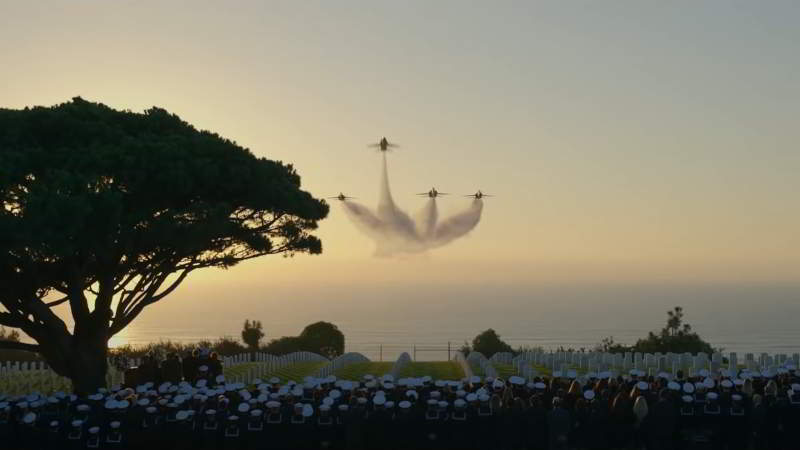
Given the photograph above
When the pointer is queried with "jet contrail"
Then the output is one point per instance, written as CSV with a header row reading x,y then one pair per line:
x,y
395,232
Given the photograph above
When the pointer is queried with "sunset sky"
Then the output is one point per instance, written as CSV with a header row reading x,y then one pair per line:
x,y
627,142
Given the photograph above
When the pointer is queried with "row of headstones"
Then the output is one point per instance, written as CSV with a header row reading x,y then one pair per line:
x,y
403,360
477,358
290,358
660,362
339,362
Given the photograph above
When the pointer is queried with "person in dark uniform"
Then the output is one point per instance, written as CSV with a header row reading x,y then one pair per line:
x,y
663,418
171,369
559,424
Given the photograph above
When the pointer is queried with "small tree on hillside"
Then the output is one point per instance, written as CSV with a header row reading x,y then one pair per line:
x,y
675,337
489,343
252,333
323,338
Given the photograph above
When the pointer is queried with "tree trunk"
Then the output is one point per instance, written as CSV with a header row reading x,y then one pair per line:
x,y
84,360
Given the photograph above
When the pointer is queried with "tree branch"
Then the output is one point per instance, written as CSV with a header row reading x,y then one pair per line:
x,y
13,345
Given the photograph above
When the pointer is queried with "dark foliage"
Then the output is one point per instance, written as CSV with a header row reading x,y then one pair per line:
x,y
114,209
489,343
252,333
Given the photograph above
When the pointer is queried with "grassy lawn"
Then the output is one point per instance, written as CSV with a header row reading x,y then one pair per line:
x,y
504,370
442,370
358,370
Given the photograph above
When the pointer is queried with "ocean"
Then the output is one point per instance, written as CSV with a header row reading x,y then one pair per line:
x,y
385,320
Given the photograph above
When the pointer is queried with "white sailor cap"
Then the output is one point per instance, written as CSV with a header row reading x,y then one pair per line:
x,y
738,382
459,403
77,423
343,407
540,385
703,372
53,423
256,413
324,408
94,430
274,380
432,402
94,397
475,379
233,418
796,388
29,418
389,404
673,386
442,404
588,395
642,386
435,394
688,387
181,415
334,394
483,398
379,400
712,396
203,368
687,398
472,397
211,412
82,408
726,383
273,404
498,384
709,383
405,404
736,397
115,424
150,409
243,407
516,380
308,410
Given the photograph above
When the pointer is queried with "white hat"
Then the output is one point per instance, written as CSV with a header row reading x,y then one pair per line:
x,y
308,410
243,407
182,415
709,383
274,380
642,386
687,398
150,409
475,379
29,418
459,403
498,384
53,423
83,408
516,380
379,400
588,395
94,430
471,397
688,387
442,404
141,402
77,423
712,395
703,372
344,407
726,383
115,424
540,385
389,404
210,412
736,397
324,408
362,401
673,386
273,404
256,413
405,404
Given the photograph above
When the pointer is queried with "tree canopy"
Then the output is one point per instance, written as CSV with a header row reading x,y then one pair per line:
x,y
109,211
252,333
676,337
489,343
323,338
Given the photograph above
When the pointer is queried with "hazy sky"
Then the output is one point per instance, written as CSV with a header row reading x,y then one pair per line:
x,y
626,141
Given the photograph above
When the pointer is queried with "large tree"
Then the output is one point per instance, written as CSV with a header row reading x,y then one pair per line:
x,y
108,211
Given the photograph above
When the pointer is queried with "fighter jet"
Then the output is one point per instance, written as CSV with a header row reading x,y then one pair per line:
x,y
341,197
384,145
433,193
479,195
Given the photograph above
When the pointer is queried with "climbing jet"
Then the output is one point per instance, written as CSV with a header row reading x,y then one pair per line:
x,y
384,145
433,193
341,197
479,195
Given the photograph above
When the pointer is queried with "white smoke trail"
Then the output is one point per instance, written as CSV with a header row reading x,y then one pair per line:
x,y
395,233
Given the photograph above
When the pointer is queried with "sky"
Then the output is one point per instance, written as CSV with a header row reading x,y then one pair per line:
x,y
626,142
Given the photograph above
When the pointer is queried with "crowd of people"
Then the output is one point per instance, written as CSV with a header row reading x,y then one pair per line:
x,y
725,410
